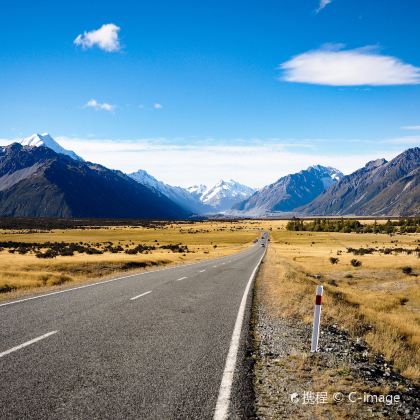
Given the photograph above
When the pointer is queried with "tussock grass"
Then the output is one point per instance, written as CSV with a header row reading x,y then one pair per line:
x,y
376,301
14,280
165,244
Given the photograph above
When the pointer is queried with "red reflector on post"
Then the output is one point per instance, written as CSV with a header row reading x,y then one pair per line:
x,y
317,318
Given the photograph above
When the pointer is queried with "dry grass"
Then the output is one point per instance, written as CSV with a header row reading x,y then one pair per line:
x,y
376,300
23,273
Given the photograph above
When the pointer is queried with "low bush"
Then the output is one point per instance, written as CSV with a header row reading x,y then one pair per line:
x,y
355,263
407,270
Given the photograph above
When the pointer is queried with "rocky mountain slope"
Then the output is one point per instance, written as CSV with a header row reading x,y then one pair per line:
x,y
380,188
291,191
36,181
178,195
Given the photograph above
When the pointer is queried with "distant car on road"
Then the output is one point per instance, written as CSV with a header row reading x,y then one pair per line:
x,y
263,244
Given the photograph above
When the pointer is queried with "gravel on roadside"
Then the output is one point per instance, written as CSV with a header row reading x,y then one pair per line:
x,y
343,380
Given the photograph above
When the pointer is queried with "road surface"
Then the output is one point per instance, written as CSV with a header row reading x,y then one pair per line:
x,y
155,345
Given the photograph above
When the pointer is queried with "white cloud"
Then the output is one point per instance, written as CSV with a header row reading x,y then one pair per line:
x,y
105,38
322,4
333,66
93,103
411,127
157,106
256,164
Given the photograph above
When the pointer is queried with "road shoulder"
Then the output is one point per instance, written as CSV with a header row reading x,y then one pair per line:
x,y
285,369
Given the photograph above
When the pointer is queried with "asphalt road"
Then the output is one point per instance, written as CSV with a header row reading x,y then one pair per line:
x,y
148,346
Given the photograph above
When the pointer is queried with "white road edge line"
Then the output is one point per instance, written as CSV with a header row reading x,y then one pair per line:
x,y
98,283
181,278
139,296
28,343
223,400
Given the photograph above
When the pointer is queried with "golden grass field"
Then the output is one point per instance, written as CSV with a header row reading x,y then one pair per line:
x,y
376,301
20,274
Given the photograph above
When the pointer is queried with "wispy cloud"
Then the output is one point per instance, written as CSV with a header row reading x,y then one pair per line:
x,y
411,127
105,38
157,106
323,4
104,106
333,66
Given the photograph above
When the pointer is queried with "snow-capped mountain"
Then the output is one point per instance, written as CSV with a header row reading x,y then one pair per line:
x,y
178,195
291,191
223,195
198,198
145,178
46,140
197,190
329,175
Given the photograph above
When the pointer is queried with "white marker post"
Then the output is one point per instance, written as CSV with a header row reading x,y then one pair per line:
x,y
317,318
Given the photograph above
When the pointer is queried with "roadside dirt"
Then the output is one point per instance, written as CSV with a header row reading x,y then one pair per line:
x,y
343,380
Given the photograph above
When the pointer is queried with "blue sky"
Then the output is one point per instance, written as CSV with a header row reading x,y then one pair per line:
x,y
195,91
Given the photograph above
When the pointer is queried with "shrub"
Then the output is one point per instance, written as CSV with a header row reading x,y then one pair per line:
x,y
407,270
355,263
5,288
334,260
350,225
403,301
176,248
47,254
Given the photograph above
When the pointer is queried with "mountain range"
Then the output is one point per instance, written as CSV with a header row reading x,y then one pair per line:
x,y
178,195
38,177
290,191
199,199
379,188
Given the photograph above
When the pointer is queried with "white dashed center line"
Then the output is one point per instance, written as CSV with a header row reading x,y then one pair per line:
x,y
202,271
181,278
139,296
28,343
